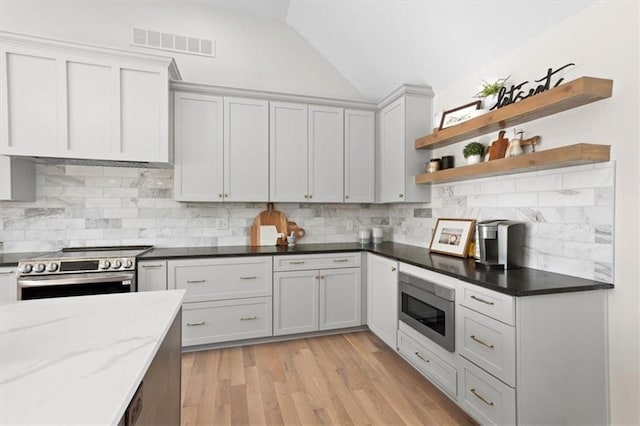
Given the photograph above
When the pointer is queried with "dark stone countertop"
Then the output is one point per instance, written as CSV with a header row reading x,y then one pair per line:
x,y
514,282
12,259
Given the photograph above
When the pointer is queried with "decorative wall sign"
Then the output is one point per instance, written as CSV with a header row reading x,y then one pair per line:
x,y
517,93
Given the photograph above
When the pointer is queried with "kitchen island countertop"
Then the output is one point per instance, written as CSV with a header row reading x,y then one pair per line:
x,y
79,360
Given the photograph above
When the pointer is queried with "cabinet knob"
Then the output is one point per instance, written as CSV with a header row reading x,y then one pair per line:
x,y
346,197
310,196
393,269
226,195
219,195
400,195
306,196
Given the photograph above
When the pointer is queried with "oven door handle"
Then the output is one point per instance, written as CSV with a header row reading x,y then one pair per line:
x,y
72,280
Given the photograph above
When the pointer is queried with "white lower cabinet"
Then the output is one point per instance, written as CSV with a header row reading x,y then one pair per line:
x,y
152,275
295,296
8,285
382,298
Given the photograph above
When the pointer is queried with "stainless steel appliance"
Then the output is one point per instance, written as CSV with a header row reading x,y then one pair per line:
x,y
500,243
428,308
79,271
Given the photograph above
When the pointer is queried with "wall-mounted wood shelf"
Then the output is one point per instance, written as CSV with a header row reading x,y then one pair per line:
x,y
570,95
572,155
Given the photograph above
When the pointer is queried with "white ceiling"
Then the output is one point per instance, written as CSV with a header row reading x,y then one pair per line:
x,y
380,44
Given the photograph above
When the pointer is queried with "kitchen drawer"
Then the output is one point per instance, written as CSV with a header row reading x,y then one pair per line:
x,y
485,398
427,362
219,279
226,320
496,305
316,261
488,343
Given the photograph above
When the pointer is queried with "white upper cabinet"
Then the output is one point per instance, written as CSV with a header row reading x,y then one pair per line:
x,y
17,179
198,127
359,156
75,101
307,154
404,116
246,149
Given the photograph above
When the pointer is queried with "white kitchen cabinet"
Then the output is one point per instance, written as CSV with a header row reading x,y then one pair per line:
x,y
17,179
198,127
340,298
382,296
306,153
75,101
404,116
8,285
295,302
359,156
152,275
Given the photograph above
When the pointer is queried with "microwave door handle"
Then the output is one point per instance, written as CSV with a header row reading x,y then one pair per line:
x,y
99,278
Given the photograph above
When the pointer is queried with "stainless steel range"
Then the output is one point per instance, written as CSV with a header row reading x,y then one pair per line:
x,y
79,271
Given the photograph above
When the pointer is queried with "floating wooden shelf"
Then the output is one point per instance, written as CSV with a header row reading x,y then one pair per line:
x,y
571,155
570,95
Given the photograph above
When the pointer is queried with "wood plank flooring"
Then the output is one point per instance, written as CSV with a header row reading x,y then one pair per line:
x,y
344,379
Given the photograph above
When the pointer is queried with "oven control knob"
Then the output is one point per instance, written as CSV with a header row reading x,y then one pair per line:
x,y
128,263
105,264
117,264
52,267
26,268
40,267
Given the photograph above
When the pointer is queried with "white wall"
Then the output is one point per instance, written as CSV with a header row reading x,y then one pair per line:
x,y
252,52
603,42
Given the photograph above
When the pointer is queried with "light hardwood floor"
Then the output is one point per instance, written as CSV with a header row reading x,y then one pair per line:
x,y
342,379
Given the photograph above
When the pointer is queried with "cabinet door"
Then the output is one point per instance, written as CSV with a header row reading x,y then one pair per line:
x,y
359,156
295,302
152,275
326,154
382,295
246,149
392,151
340,298
288,152
198,147
8,285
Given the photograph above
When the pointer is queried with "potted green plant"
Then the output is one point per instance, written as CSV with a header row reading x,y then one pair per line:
x,y
473,152
489,92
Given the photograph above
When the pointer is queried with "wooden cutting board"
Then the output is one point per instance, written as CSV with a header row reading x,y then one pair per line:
x,y
269,217
498,148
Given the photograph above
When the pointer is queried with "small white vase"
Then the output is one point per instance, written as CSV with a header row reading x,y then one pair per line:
x,y
473,159
489,102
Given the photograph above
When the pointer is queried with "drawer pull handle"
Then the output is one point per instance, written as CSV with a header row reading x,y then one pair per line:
x,y
6,272
482,300
489,403
195,281
151,266
249,278
248,318
296,262
340,260
420,356
490,346
193,324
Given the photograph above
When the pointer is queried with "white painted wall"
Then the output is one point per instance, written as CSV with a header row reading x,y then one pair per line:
x,y
603,41
252,52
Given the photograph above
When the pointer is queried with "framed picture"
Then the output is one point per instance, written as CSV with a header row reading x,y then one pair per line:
x,y
452,236
459,114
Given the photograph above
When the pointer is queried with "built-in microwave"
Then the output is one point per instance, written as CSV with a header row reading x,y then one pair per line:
x,y
428,308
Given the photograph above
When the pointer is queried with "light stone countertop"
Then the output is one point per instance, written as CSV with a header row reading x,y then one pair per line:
x,y
79,360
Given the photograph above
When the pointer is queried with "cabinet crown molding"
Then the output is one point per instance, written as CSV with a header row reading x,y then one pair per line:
x,y
27,41
406,89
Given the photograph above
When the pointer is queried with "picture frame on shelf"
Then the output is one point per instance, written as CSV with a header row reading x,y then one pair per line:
x,y
459,114
452,236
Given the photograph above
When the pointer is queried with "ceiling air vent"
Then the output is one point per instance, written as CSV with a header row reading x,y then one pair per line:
x,y
173,42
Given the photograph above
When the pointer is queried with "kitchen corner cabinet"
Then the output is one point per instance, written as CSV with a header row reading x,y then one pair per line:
x,y
221,146
17,179
405,116
75,101
382,298
152,275
8,285
306,153
359,156
316,292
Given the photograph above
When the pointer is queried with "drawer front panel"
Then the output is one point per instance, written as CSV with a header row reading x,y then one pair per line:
x,y
495,305
227,320
316,261
489,344
219,279
485,398
435,368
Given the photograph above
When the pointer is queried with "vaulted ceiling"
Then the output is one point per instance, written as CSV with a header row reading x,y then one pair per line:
x,y
379,44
